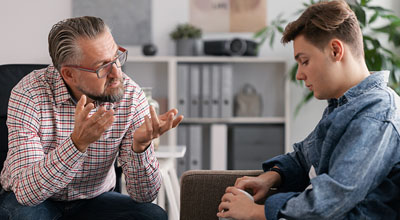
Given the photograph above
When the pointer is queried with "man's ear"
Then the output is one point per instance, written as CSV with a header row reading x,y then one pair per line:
x,y
336,48
67,74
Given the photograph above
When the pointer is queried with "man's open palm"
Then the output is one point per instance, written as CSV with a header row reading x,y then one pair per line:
x,y
154,127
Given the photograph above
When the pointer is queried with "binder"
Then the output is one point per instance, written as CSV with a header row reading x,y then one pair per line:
x,y
183,89
195,145
226,91
205,91
215,90
219,146
182,139
194,109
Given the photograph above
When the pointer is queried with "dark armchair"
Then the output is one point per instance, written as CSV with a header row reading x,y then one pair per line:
x,y
10,75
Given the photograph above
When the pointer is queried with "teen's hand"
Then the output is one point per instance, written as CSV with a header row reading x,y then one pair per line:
x,y
235,204
260,185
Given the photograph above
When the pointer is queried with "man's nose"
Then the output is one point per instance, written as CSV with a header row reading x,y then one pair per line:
x,y
115,71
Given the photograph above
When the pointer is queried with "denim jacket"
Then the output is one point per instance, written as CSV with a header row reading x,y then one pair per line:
x,y
355,150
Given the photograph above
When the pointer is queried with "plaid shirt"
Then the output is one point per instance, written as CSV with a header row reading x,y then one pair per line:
x,y
42,162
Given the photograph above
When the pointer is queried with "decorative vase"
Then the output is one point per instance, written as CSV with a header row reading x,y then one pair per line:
x,y
148,92
186,47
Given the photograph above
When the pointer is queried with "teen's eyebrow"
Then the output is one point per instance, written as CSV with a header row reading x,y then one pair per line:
x,y
298,56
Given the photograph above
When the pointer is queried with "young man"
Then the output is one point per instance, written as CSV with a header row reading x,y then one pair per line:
x,y
68,123
348,167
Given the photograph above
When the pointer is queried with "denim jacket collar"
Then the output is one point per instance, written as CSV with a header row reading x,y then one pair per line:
x,y
380,78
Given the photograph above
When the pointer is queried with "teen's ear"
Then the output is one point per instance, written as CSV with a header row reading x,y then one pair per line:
x,y
336,49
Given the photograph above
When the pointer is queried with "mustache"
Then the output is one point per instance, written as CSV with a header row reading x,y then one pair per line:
x,y
108,82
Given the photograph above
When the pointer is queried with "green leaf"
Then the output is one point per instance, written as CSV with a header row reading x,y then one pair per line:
x,y
293,72
367,37
305,99
391,54
369,59
395,23
272,39
374,17
261,43
261,32
299,11
378,8
360,13
376,44
396,60
363,2
396,39
281,22
378,62
385,29
390,17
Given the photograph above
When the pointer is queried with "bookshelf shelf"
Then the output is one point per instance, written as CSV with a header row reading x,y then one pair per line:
x,y
236,120
205,59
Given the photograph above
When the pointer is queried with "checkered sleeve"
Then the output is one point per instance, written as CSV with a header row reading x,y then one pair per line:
x,y
35,176
143,178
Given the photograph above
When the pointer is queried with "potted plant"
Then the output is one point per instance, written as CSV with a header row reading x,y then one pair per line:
x,y
377,57
187,38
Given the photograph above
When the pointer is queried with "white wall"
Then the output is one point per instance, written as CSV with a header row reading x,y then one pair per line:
x,y
24,28
25,25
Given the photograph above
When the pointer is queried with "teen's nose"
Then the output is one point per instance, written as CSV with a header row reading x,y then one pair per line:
x,y
300,74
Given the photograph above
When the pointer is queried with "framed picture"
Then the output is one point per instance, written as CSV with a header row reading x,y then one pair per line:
x,y
129,20
228,15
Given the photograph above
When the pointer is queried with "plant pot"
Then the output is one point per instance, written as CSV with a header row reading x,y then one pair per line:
x,y
187,47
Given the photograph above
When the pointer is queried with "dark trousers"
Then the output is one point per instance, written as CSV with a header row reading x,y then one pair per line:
x,y
107,206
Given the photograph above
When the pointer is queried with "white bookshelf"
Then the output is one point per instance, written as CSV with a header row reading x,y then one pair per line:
x,y
268,74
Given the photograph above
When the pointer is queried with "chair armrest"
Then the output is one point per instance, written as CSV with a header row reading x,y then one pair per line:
x,y
201,191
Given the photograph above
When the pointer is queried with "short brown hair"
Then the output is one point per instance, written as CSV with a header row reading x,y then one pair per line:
x,y
63,37
324,21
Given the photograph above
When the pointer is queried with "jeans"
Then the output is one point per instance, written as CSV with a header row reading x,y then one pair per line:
x,y
109,205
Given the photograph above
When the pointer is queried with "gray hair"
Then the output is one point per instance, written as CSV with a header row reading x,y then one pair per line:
x,y
63,37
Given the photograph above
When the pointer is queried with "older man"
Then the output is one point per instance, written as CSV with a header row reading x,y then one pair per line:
x,y
69,122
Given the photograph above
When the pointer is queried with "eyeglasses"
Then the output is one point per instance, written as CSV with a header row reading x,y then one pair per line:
x,y
106,69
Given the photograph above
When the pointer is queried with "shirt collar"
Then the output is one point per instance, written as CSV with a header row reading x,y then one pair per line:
x,y
95,103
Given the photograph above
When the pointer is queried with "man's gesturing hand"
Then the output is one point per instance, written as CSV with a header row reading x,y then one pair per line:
x,y
154,127
89,129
